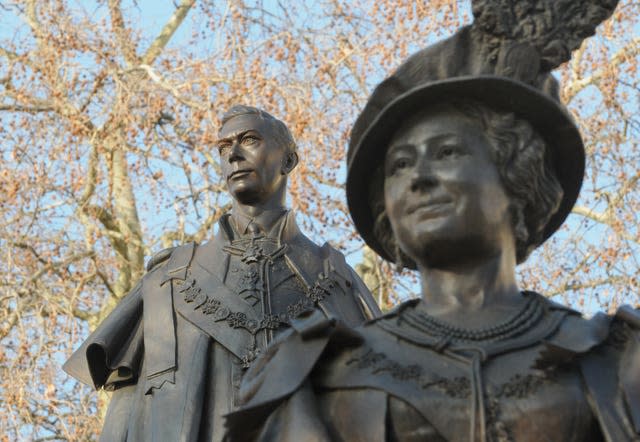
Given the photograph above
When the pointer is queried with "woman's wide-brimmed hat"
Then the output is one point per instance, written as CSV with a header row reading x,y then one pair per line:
x,y
447,72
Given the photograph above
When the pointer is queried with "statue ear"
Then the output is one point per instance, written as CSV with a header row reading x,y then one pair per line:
x,y
290,162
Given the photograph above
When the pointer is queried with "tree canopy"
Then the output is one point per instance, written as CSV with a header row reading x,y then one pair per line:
x,y
107,125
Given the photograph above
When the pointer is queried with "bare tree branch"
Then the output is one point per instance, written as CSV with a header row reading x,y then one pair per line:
x,y
115,235
57,264
90,182
167,31
630,50
128,222
607,219
28,109
157,78
32,18
122,36
11,56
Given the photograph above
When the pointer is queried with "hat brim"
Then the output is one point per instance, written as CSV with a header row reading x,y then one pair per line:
x,y
546,115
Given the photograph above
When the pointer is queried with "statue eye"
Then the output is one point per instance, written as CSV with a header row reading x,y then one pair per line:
x,y
398,164
249,140
448,151
401,163
223,148
399,158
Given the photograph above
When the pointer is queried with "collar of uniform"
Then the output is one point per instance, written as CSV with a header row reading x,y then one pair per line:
x,y
267,221
278,223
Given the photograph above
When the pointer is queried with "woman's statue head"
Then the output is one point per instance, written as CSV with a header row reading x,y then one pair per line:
x,y
444,177
531,141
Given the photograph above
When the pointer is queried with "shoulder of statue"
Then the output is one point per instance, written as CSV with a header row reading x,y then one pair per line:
x,y
629,366
335,262
393,315
611,372
556,306
629,316
349,281
160,257
581,334
174,258
624,335
574,335
336,259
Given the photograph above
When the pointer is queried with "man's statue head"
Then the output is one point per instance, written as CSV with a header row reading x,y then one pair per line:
x,y
257,153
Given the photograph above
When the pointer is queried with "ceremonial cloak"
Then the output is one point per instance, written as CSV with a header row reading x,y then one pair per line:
x,y
547,375
174,349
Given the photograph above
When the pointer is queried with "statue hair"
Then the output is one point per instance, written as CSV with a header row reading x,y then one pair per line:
x,y
527,175
280,130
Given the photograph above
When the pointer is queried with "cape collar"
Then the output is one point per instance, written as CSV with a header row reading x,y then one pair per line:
x,y
211,256
267,222
277,224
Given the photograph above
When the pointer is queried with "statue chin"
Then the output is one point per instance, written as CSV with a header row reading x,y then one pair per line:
x,y
244,194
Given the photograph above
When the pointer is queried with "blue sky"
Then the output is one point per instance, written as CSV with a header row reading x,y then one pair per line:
x,y
150,16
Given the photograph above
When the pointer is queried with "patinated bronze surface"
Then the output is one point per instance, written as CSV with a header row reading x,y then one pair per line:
x,y
477,164
174,349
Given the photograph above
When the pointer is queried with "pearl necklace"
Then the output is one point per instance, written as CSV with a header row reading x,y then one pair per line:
x,y
517,324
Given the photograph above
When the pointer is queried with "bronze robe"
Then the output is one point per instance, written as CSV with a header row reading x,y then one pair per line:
x,y
556,377
174,349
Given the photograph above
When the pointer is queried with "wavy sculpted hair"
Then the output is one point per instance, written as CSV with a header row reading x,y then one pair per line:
x,y
280,130
525,170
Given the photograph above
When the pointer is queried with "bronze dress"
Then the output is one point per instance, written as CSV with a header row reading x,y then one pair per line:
x,y
174,349
545,374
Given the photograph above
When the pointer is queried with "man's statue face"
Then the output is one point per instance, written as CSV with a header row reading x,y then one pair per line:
x,y
251,159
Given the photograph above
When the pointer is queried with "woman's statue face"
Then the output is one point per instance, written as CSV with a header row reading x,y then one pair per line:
x,y
443,194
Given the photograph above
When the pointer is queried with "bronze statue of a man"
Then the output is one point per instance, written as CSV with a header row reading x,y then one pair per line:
x,y
476,163
173,351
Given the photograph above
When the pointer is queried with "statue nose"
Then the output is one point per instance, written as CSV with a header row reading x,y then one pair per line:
x,y
423,178
236,153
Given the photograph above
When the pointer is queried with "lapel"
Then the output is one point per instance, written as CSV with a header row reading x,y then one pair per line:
x,y
202,296
208,303
302,254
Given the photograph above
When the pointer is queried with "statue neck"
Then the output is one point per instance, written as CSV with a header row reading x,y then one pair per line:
x,y
473,294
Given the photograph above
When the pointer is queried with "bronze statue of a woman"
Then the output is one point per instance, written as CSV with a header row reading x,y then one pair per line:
x,y
477,163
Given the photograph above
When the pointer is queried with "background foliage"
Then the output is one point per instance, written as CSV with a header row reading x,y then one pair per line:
x,y
106,129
